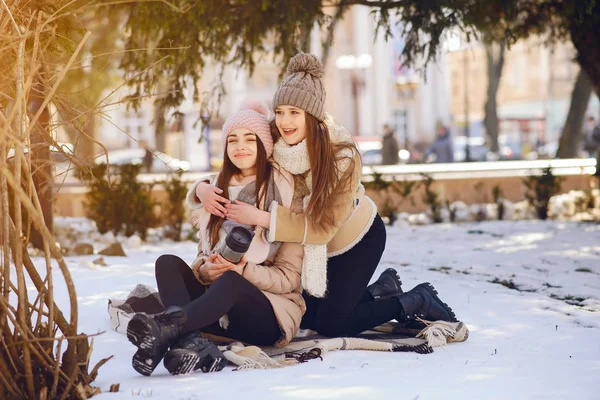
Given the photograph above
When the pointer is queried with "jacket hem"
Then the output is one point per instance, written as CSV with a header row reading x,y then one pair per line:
x,y
361,235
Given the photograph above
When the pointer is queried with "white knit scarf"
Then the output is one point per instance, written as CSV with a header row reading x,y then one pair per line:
x,y
295,160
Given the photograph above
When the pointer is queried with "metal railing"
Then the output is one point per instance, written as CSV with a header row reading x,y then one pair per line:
x,y
487,169
461,170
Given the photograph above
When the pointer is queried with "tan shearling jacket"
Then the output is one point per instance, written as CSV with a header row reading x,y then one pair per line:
x,y
353,212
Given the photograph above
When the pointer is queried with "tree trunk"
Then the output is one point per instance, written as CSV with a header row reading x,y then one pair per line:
x,y
305,38
495,62
571,136
160,126
585,37
328,42
42,167
84,150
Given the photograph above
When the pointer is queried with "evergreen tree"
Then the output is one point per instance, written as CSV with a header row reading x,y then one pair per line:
x,y
186,35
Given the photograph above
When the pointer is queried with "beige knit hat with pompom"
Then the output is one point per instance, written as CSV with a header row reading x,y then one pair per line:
x,y
302,87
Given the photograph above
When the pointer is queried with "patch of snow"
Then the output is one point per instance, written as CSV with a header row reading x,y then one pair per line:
x,y
133,242
524,344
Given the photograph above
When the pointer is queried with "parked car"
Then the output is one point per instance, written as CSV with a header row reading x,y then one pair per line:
x,y
59,156
544,152
478,150
510,147
370,152
161,162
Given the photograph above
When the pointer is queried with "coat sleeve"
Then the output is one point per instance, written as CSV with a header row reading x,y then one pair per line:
x,y
197,263
191,199
283,276
288,226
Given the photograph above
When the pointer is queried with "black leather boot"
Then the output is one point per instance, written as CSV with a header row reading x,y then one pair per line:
x,y
423,302
192,352
387,285
153,335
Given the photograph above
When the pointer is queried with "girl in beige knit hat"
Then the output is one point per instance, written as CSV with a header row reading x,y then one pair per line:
x,y
342,234
257,300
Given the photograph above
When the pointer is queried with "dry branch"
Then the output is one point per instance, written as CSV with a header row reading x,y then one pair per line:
x,y
32,362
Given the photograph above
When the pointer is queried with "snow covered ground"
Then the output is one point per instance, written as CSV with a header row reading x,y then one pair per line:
x,y
526,343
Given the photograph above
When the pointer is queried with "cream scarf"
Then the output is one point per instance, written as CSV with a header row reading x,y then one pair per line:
x,y
295,160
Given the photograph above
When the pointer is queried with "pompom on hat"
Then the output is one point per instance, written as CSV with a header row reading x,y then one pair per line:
x,y
254,116
302,86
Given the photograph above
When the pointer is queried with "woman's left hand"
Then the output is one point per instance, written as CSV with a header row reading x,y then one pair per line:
x,y
247,214
239,267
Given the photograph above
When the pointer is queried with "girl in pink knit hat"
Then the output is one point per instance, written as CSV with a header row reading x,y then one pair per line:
x,y
257,300
342,234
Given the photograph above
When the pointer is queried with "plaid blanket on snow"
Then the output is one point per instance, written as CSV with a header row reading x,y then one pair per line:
x,y
417,336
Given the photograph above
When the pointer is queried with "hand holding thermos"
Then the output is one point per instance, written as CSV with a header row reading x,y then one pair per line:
x,y
236,244
230,257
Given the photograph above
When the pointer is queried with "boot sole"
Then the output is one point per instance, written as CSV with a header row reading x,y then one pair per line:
x,y
396,275
145,362
181,361
140,334
434,294
396,278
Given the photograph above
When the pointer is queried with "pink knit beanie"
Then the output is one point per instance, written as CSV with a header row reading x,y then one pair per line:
x,y
254,116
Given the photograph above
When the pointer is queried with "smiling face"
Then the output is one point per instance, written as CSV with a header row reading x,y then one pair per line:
x,y
291,123
242,150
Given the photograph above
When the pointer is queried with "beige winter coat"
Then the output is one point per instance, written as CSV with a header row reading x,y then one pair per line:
x,y
278,277
353,213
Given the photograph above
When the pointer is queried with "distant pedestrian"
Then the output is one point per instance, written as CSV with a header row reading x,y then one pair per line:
x,y
390,148
442,147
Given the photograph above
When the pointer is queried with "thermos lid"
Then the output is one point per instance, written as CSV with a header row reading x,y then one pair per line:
x,y
239,239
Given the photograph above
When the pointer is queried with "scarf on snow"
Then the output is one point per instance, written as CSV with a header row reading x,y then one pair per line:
x,y
295,160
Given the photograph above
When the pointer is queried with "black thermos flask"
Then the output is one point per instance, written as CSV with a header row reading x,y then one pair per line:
x,y
236,244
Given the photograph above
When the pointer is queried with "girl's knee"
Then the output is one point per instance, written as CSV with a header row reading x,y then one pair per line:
x,y
230,280
230,276
166,262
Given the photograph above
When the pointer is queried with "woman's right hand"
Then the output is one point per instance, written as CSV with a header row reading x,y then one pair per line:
x,y
211,270
209,196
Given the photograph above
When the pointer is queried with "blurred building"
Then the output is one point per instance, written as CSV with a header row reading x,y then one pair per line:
x,y
366,85
534,93
388,91
363,95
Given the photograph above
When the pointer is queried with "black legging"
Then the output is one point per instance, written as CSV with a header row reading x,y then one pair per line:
x,y
251,316
348,309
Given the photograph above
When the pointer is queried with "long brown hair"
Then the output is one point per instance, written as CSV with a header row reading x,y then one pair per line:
x,y
328,180
228,170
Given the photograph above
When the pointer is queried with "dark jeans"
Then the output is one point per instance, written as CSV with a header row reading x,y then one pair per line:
x,y
348,309
251,316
